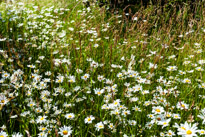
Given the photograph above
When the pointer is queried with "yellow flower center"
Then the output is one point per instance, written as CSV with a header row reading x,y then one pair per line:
x,y
100,126
164,123
65,132
187,81
2,101
1,136
189,132
170,133
183,105
43,128
42,118
158,110
69,116
202,132
89,119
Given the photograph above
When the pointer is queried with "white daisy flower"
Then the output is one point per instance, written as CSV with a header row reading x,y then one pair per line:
x,y
41,119
65,131
3,134
99,126
89,119
188,131
70,116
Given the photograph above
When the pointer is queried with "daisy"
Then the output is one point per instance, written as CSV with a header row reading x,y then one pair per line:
x,y
65,131
116,102
119,75
99,126
100,78
125,112
145,92
202,85
170,133
132,122
85,77
96,45
164,123
158,110
3,99
171,68
89,119
59,79
115,112
181,72
162,134
182,105
137,88
135,108
71,79
111,126
5,75
42,134
186,80
176,116
152,65
159,118
188,131
70,116
3,134
79,71
199,69
98,91
201,132
41,119
149,125
31,66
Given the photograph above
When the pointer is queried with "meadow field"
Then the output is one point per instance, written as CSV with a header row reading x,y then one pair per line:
x,y
71,70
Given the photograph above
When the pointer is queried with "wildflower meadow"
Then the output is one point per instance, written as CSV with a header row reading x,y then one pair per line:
x,y
72,70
